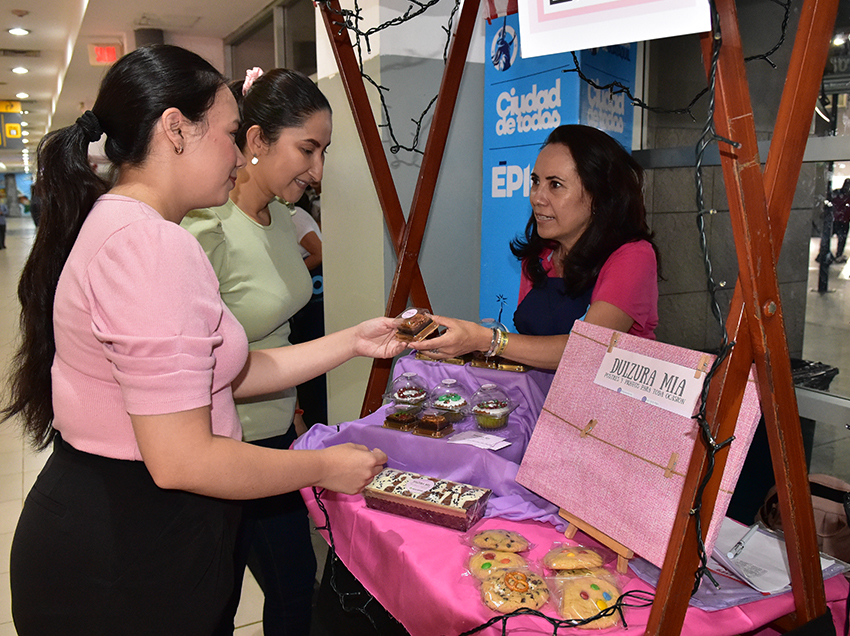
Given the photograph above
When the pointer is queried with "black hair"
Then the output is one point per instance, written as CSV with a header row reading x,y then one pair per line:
x,y
614,182
276,100
134,93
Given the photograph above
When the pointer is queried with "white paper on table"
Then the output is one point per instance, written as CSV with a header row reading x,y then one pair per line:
x,y
480,440
762,564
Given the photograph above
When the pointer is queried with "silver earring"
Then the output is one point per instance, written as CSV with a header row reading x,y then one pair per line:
x,y
255,161
179,150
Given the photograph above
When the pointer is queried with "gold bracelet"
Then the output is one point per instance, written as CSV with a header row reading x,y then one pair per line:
x,y
503,342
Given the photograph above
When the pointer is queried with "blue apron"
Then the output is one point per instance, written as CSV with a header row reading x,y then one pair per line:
x,y
548,311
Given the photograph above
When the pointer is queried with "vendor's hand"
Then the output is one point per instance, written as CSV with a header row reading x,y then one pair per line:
x,y
460,337
350,467
376,338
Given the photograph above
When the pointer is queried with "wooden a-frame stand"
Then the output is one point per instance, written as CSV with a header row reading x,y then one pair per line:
x,y
760,204
574,524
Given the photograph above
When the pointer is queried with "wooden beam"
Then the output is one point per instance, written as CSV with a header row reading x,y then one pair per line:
x,y
778,185
370,138
425,186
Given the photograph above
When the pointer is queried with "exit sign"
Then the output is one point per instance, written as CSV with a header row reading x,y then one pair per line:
x,y
104,54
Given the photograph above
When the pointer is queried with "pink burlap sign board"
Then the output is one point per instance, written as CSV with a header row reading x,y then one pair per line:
x,y
618,461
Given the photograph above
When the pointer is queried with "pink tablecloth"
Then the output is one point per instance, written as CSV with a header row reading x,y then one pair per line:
x,y
416,571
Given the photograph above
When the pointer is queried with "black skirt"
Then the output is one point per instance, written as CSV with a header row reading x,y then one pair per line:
x,y
101,549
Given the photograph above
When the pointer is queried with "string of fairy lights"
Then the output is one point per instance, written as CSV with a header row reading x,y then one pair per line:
x,y
352,20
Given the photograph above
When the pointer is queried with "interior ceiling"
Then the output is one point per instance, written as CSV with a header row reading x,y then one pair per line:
x,y
60,88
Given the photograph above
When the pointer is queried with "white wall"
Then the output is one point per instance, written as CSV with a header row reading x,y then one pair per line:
x,y
359,261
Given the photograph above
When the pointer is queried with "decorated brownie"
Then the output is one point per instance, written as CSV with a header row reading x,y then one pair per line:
x,y
400,419
439,501
433,423
415,324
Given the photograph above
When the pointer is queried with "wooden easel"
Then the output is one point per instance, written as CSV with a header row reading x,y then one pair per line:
x,y
575,524
760,204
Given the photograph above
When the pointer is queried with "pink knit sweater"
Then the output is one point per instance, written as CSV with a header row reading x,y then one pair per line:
x,y
140,328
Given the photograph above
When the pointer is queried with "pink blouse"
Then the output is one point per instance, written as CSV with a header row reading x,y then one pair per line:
x,y
628,280
140,328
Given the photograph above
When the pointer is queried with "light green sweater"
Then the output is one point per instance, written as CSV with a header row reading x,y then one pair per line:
x,y
263,281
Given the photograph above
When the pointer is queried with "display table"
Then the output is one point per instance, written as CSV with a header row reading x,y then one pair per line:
x,y
416,570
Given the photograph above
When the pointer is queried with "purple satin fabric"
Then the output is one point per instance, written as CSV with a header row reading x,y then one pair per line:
x,y
495,470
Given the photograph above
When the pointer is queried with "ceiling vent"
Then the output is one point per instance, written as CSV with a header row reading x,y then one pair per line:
x,y
19,53
167,22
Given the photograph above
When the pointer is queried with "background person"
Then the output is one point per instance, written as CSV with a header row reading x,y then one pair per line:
x,y
587,254
309,322
129,364
252,244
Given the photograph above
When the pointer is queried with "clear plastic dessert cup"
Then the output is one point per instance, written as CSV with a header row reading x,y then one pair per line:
x,y
451,397
491,407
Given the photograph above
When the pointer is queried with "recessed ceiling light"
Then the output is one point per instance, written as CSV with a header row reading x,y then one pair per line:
x,y
25,140
25,124
19,31
22,95
25,133
20,70
838,40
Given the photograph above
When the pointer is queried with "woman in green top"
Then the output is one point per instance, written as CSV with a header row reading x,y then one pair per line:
x,y
252,245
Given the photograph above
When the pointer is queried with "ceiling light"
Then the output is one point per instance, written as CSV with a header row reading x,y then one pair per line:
x,y
26,112
838,40
25,140
19,31
25,124
20,70
25,133
22,95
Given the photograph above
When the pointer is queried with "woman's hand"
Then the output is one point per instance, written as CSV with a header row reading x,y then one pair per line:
x,y
375,338
350,467
460,336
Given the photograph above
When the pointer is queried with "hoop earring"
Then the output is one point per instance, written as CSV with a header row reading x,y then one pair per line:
x,y
255,161
178,150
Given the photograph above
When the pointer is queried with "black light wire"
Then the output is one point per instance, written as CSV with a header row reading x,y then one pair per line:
x,y
350,19
635,598
709,136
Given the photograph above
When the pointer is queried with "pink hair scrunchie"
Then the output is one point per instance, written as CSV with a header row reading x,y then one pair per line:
x,y
251,76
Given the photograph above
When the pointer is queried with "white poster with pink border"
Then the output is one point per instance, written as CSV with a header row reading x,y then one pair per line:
x,y
554,26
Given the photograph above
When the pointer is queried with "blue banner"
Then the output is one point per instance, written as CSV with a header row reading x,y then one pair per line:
x,y
524,100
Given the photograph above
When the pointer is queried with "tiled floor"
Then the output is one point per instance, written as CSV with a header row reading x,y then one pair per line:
x,y
827,340
19,466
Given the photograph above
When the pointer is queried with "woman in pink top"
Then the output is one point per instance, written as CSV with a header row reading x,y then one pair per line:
x,y
587,254
129,365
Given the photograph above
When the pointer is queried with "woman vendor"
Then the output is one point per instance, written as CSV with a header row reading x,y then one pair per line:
x,y
587,254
